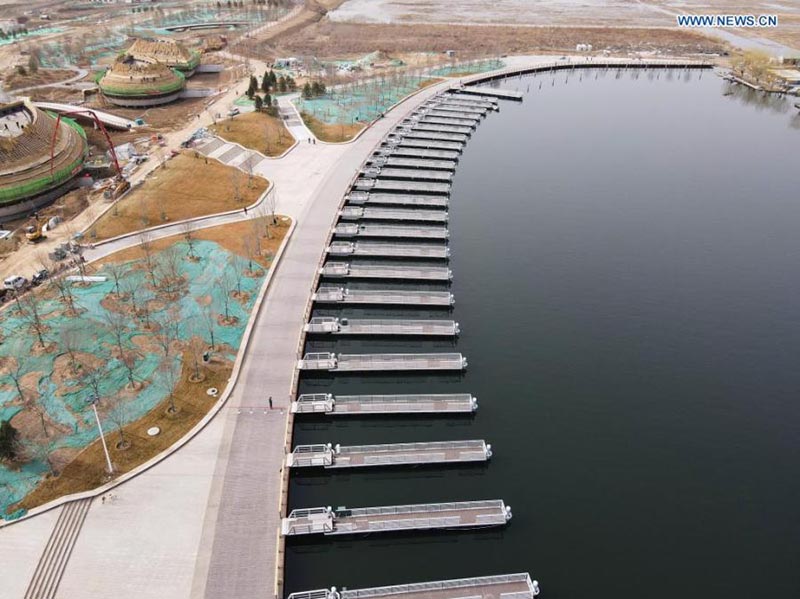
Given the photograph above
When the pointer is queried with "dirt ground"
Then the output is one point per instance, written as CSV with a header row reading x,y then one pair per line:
x,y
257,131
331,133
321,38
12,79
187,186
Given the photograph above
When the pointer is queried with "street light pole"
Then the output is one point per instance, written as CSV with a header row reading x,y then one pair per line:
x,y
92,400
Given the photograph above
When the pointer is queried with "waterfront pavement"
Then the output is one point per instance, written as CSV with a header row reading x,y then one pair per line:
x,y
203,522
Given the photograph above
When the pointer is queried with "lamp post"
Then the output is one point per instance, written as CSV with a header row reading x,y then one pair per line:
x,y
92,401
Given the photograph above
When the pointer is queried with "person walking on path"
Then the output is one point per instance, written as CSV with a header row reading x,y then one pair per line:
x,y
245,210
270,402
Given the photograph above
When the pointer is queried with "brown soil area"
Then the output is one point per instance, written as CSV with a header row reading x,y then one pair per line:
x,y
257,131
331,133
186,187
14,80
87,470
326,37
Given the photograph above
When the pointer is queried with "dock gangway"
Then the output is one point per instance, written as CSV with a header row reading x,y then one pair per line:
x,y
389,230
329,325
384,297
390,454
396,214
360,198
375,249
346,363
373,271
361,405
396,518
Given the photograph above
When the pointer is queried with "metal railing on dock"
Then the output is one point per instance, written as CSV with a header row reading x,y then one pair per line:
x,y
393,518
328,325
404,186
420,163
360,405
428,144
382,362
384,297
406,174
390,454
371,271
413,133
485,92
422,152
360,198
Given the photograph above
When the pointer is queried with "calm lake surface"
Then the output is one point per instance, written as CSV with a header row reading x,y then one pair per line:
x,y
626,257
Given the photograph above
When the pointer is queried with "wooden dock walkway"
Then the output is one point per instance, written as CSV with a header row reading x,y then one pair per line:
x,y
388,454
442,128
397,199
407,174
415,163
390,185
425,144
394,518
329,325
503,586
402,214
453,115
382,362
417,152
461,108
360,405
374,249
384,297
372,271
429,116
409,133
392,231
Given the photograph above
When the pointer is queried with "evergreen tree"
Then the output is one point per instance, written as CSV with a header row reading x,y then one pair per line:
x,y
306,93
267,100
265,81
290,83
273,78
315,89
259,103
282,83
251,90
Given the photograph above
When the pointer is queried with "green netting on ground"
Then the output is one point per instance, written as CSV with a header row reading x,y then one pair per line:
x,y
62,396
361,101
36,33
468,68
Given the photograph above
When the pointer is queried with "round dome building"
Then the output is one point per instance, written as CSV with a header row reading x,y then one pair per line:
x,y
134,83
28,178
168,52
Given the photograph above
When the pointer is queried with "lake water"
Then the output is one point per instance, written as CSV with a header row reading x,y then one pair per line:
x,y
626,264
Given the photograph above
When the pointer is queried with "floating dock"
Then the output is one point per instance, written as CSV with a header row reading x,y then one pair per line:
x,y
446,154
504,586
441,128
382,362
432,119
395,231
485,92
360,405
393,518
426,144
384,297
367,249
329,325
466,100
397,199
409,133
461,108
372,271
431,187
406,174
460,115
390,454
359,213
420,163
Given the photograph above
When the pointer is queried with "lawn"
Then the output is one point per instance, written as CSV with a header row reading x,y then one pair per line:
x,y
330,132
257,131
187,186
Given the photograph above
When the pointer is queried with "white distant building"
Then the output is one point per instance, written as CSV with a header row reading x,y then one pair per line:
x,y
286,63
583,48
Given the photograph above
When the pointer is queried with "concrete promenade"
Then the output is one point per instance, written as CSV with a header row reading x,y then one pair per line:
x,y
203,523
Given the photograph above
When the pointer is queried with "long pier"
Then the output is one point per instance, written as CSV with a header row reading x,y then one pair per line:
x,y
427,144
393,518
503,586
409,133
406,174
382,362
484,92
442,128
397,199
360,405
443,112
421,152
384,297
369,249
328,325
392,161
432,119
420,215
370,271
461,108
395,231
432,187
390,454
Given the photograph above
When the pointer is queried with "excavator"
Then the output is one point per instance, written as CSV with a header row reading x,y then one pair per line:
x,y
33,232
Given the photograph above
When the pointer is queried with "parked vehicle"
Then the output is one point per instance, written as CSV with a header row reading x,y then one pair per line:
x,y
40,277
15,282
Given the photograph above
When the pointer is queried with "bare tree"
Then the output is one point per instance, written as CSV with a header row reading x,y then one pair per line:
x,y
31,313
170,380
225,286
168,330
119,413
187,229
70,340
169,270
235,269
16,368
117,272
64,289
210,321
148,256
236,185
41,450
119,330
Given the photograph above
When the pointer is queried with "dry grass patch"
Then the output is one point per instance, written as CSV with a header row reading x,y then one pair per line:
x,y
257,131
189,185
331,133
